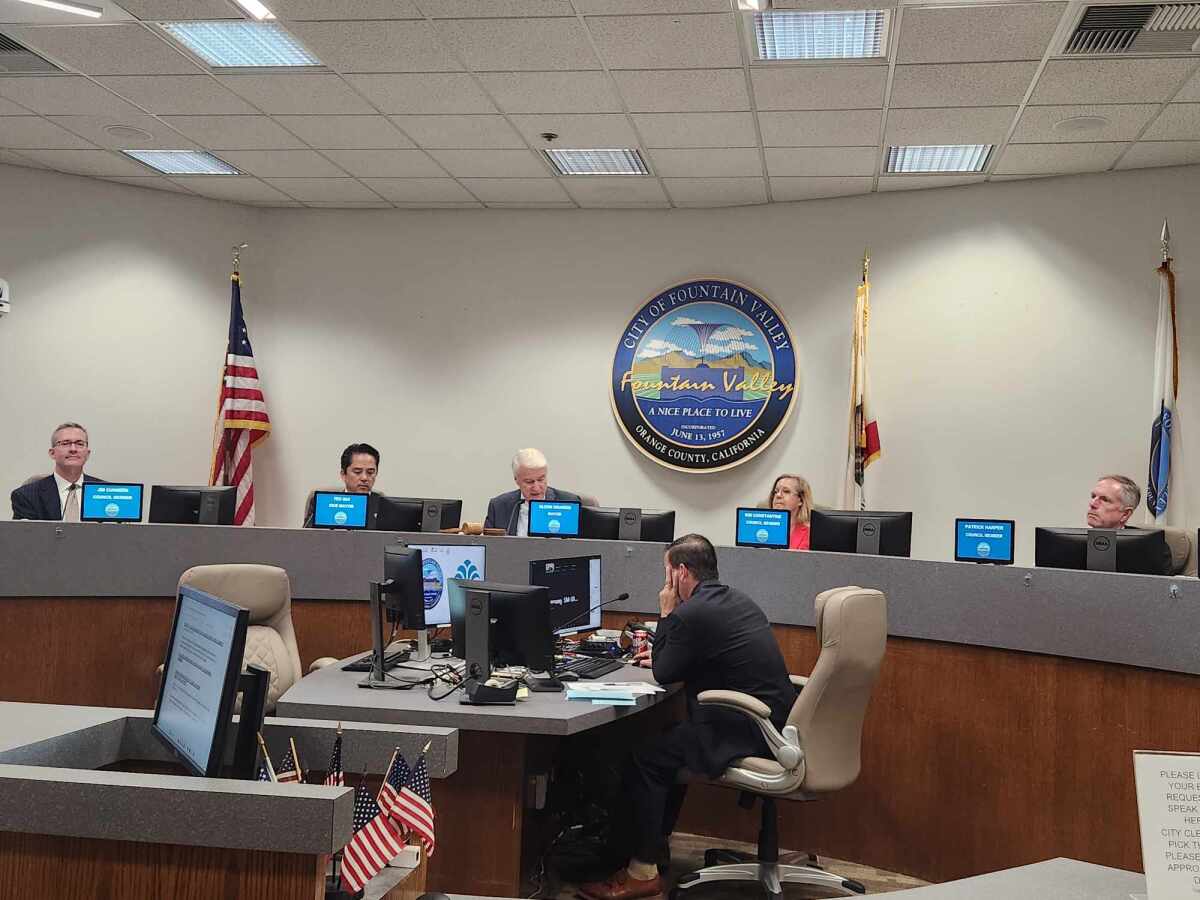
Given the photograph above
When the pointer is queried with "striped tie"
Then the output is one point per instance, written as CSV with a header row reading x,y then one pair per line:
x,y
71,513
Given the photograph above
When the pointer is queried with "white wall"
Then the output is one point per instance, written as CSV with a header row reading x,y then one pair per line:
x,y
1012,340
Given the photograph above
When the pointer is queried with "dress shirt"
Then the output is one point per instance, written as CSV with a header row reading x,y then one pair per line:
x,y
523,519
63,487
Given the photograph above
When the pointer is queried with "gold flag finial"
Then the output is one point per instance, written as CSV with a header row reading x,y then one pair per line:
x,y
866,264
237,255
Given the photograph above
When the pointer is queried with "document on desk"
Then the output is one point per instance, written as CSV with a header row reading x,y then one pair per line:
x,y
633,688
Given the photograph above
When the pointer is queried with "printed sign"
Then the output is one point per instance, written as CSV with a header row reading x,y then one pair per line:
x,y
1168,797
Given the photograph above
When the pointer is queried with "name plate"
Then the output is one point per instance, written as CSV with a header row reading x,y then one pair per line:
x,y
1168,796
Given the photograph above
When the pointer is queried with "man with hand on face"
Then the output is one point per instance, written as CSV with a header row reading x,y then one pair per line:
x,y
58,496
511,511
360,466
711,637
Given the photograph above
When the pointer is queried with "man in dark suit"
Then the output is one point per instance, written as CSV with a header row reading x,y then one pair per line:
x,y
710,637
1111,504
57,497
511,511
360,468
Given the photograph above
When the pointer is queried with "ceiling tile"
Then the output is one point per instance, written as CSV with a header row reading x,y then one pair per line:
x,y
1190,92
785,189
967,84
349,204
352,132
390,46
507,45
516,190
238,188
460,132
30,131
551,92
708,192
1147,154
106,49
500,9
87,162
386,163
615,191
154,182
916,182
570,204
234,132
308,94
428,93
339,10
491,163
1037,125
92,128
821,5
819,87
821,128
415,190
703,91
473,204
328,190
1109,80
286,163
667,42
1056,159
8,108
712,129
181,10
9,158
180,95
978,33
707,163
959,125
1178,122
578,132
60,95
644,7
822,161
995,178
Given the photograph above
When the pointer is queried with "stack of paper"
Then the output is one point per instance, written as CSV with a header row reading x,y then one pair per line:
x,y
611,693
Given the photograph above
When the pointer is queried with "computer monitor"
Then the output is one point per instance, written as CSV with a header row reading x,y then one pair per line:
x,y
337,509
402,591
111,502
574,586
200,679
770,528
554,518
520,633
627,523
1131,550
417,514
440,563
193,505
861,531
984,541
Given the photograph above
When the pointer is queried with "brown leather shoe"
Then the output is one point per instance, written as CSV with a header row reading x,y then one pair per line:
x,y
621,886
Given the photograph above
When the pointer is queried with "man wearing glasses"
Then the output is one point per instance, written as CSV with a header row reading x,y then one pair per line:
x,y
57,497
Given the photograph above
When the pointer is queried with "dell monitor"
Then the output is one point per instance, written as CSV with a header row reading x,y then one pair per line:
x,y
337,509
193,505
440,563
861,531
770,528
984,541
520,632
628,523
200,679
554,518
574,586
1131,550
111,502
417,514
402,591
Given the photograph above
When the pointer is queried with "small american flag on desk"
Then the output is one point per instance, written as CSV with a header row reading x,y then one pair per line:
x,y
413,807
335,777
374,844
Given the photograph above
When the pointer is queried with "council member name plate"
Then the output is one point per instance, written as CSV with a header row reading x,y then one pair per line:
x,y
1168,795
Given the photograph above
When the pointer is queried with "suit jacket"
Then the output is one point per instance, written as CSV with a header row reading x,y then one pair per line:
x,y
39,499
719,639
502,511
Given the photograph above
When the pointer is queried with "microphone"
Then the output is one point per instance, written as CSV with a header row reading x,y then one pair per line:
x,y
587,612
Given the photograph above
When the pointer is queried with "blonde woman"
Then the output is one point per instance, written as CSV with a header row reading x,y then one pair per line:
x,y
793,493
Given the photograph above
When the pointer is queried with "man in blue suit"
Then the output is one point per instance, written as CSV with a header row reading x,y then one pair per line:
x,y
57,497
511,511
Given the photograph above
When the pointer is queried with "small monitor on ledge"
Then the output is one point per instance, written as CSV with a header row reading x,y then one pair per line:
x,y
1134,551
337,509
861,531
553,518
984,541
769,528
193,505
603,523
111,502
417,514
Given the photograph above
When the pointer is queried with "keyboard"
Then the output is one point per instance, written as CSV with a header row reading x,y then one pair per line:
x,y
591,667
390,661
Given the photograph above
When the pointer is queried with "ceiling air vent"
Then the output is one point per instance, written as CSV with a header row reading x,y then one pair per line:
x,y
16,59
1144,28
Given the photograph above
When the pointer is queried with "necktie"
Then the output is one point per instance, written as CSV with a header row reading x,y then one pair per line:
x,y
71,513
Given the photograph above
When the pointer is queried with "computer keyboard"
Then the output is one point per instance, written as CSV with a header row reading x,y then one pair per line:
x,y
390,661
590,667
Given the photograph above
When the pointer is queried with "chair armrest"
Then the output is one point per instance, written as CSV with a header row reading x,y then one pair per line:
x,y
737,700
320,663
785,747
798,680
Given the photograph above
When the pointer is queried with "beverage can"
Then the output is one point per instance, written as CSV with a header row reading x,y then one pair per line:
x,y
641,641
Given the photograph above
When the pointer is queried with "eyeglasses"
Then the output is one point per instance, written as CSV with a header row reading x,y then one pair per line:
x,y
66,444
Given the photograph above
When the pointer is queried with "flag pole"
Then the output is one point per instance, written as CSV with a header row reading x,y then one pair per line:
x,y
296,758
386,773
262,745
866,264
1165,239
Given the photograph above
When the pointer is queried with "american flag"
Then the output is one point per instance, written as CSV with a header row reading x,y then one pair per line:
x,y
242,419
413,807
263,774
376,841
336,777
393,782
288,770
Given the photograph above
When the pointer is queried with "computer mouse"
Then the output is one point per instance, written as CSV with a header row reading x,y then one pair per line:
x,y
568,676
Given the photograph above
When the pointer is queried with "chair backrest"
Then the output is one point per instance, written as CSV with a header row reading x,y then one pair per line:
x,y
32,478
588,500
270,639
1183,554
829,711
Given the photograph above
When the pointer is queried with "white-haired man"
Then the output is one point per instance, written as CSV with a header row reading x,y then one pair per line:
x,y
511,511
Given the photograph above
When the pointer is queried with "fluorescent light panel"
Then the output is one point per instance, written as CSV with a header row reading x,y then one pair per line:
x,y
849,34
79,9
598,162
938,158
233,43
256,9
183,162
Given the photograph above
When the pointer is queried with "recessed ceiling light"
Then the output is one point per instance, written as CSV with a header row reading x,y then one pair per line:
x,y
598,162
127,133
1080,124
79,9
256,9
238,44
751,5
183,162
938,158
847,34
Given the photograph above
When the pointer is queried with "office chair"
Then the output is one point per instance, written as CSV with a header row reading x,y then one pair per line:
x,y
1183,557
32,478
819,749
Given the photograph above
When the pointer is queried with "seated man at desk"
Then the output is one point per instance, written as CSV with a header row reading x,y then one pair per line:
x,y
57,496
711,637
360,467
511,511
1113,500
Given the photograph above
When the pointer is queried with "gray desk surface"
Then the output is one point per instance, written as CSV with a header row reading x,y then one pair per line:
x,y
1054,879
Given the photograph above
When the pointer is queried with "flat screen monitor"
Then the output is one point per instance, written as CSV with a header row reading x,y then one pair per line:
x,y
200,679
604,523
984,541
337,509
402,591
574,586
520,633
111,502
1137,551
763,527
417,514
440,563
861,531
193,505
553,518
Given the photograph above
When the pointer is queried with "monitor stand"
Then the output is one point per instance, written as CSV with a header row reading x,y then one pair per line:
x,y
397,679
868,536
253,685
1102,550
478,624
629,526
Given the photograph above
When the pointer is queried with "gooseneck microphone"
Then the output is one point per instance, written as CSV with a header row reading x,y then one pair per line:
x,y
587,612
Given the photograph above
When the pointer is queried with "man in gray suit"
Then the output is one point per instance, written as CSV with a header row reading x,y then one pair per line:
x,y
511,511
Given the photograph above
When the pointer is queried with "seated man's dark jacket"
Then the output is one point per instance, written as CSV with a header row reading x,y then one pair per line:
x,y
503,511
719,639
39,499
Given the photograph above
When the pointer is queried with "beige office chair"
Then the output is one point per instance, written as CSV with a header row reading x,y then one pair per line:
x,y
819,749
588,500
1183,554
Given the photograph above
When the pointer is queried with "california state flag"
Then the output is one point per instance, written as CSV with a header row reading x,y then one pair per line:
x,y
863,446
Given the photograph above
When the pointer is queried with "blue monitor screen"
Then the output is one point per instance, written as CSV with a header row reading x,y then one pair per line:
x,y
335,510
763,527
111,502
440,563
983,540
553,518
